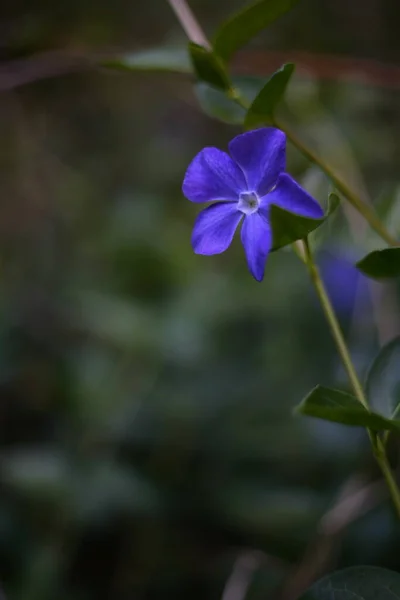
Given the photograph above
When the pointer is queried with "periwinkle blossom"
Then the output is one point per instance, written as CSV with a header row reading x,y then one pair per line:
x,y
244,185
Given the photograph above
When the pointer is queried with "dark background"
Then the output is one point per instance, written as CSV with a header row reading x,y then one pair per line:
x,y
148,448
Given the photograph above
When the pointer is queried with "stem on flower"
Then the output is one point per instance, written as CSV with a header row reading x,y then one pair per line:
x,y
376,442
366,211
195,33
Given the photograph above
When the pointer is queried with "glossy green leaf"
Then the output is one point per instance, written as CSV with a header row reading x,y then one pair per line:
x,y
218,105
333,405
381,264
245,24
288,227
356,583
156,59
208,67
383,380
262,109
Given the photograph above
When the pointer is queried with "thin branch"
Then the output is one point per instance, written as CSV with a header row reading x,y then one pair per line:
x,y
189,23
354,500
244,568
56,63
43,65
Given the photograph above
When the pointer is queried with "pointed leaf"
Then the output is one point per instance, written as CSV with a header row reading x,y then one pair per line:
x,y
381,264
208,67
218,105
262,110
356,583
340,407
288,227
156,59
383,380
244,25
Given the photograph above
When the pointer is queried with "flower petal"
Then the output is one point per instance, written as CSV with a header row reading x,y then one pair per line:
x,y
215,227
289,195
262,156
213,175
257,241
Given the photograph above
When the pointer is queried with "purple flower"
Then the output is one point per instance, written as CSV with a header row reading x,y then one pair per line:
x,y
245,184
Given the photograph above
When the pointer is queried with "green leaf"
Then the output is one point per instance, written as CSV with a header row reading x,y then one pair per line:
x,y
244,25
217,105
208,67
156,59
262,110
381,264
247,86
387,206
356,583
340,407
383,380
288,227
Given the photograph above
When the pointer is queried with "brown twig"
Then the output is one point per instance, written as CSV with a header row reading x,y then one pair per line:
x,y
189,23
43,65
244,568
354,500
56,63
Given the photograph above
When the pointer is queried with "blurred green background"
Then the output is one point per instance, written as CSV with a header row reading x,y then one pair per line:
x,y
148,448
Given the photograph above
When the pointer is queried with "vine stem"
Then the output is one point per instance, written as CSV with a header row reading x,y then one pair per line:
x,y
195,33
364,209
334,325
337,334
382,460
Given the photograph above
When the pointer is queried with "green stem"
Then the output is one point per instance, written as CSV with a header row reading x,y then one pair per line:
x,y
377,444
364,209
334,326
382,460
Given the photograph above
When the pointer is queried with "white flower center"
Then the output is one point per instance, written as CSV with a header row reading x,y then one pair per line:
x,y
248,203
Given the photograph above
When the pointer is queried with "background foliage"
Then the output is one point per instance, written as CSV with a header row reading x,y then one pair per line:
x,y
146,431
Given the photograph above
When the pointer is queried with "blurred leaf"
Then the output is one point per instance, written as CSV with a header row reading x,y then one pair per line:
x,y
262,109
245,24
383,380
208,67
340,407
115,321
156,59
267,509
37,472
356,583
288,227
388,207
216,104
248,86
108,488
381,264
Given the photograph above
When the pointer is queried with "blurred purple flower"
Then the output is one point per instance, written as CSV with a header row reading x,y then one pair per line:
x,y
245,183
344,283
